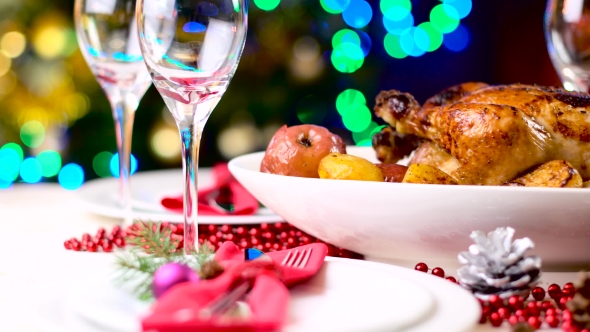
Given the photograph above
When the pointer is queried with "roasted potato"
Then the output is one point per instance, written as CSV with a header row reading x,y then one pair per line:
x,y
586,184
556,173
392,172
425,174
347,167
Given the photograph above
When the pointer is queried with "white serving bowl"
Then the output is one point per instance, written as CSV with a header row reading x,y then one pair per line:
x,y
405,224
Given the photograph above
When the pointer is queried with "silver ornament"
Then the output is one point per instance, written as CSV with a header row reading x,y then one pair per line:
x,y
495,265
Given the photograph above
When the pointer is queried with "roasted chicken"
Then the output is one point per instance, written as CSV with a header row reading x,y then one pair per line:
x,y
486,135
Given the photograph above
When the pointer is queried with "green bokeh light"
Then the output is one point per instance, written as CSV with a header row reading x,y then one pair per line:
x,y
366,134
334,6
345,36
356,117
445,18
347,57
267,5
347,98
365,142
393,47
395,10
50,163
311,110
376,130
16,148
435,36
101,164
32,134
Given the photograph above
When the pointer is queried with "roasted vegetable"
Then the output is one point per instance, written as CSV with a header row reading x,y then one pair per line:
x,y
556,173
392,172
347,167
425,174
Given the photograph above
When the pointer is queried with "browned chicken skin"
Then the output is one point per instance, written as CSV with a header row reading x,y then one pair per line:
x,y
489,135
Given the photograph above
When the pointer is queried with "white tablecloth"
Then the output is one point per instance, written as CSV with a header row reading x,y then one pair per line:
x,y
35,220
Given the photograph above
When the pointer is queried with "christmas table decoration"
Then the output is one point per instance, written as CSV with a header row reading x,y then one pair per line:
x,y
579,305
495,265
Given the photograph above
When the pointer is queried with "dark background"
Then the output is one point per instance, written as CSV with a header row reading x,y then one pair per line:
x,y
507,46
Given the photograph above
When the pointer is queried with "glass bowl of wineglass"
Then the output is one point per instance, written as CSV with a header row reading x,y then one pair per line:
x,y
191,49
108,38
567,32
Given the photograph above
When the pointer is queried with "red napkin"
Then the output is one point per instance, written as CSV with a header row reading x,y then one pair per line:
x,y
177,310
229,190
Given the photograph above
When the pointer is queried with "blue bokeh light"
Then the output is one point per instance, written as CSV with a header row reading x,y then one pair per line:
x,y
358,14
397,27
457,40
193,27
71,176
366,42
463,7
408,44
5,184
421,39
30,170
114,165
397,13
9,165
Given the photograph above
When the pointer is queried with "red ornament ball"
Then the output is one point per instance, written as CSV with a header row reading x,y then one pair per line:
x,y
495,301
515,302
534,322
504,313
437,271
422,267
552,321
554,291
513,320
568,292
538,293
495,319
451,279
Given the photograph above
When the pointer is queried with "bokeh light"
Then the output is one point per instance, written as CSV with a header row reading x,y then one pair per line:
x,y
421,39
114,165
32,133
356,117
13,43
50,163
397,27
17,148
193,27
457,40
395,10
30,170
347,57
366,42
5,63
5,184
267,5
393,47
237,140
463,7
311,110
71,176
435,37
9,165
50,41
334,6
366,134
358,14
445,18
349,97
306,49
407,41
345,36
166,144
101,164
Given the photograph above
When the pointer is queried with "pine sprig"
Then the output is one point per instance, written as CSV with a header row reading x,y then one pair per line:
x,y
154,246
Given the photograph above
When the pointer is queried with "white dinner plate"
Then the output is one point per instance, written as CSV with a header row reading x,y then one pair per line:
x,y
347,295
147,189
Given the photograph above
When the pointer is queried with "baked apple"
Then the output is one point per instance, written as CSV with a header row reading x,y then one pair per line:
x,y
298,150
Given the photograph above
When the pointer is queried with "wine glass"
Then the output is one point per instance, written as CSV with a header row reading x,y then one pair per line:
x,y
192,49
567,32
107,35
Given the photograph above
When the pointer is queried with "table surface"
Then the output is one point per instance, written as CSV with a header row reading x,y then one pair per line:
x,y
35,220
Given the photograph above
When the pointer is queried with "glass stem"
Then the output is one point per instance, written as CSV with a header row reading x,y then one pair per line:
x,y
124,113
190,136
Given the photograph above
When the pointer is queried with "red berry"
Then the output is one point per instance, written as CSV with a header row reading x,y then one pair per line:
x,y
485,311
495,319
521,313
569,285
107,246
513,320
538,293
562,302
515,302
532,309
534,322
119,242
551,312
568,292
504,312
91,247
86,237
552,321
68,245
554,291
495,301
546,305
437,271
422,267
264,226
566,315
451,279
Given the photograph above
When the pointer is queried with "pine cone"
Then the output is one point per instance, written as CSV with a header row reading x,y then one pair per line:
x,y
495,265
579,306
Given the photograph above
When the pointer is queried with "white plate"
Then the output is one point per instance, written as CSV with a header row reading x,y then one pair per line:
x,y
408,223
348,295
147,189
